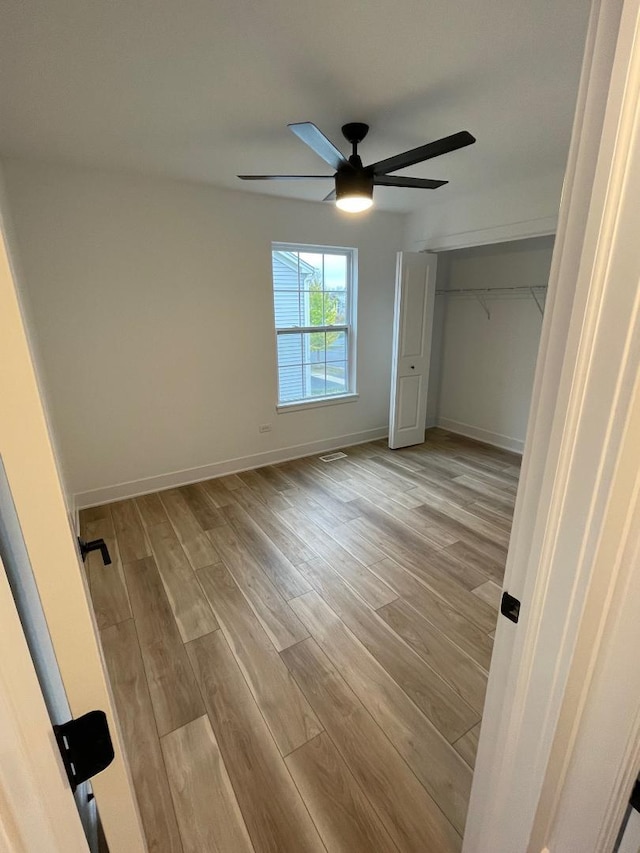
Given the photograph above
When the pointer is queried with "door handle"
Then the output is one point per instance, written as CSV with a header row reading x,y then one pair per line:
x,y
413,367
94,545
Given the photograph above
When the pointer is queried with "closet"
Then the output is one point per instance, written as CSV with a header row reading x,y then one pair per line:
x,y
486,331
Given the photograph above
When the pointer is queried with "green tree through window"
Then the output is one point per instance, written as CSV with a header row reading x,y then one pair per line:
x,y
324,310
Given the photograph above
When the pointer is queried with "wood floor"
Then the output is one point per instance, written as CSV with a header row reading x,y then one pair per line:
x,y
299,653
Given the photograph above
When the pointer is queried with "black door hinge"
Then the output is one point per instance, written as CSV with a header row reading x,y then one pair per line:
x,y
634,802
510,607
85,746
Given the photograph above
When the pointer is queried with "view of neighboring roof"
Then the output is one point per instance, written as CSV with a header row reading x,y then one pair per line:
x,y
293,260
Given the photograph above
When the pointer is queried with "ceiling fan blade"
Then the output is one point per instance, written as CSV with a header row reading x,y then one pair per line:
x,y
316,140
424,152
331,196
418,183
285,177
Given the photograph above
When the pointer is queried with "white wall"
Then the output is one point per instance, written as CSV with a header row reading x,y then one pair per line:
x,y
151,303
8,230
482,369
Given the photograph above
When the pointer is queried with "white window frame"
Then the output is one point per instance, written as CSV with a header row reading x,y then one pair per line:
x,y
349,327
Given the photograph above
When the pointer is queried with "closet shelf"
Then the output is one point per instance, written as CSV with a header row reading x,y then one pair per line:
x,y
537,293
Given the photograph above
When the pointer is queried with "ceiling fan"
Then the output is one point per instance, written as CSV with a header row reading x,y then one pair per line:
x,y
354,182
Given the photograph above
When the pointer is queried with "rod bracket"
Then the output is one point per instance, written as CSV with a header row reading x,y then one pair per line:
x,y
537,301
480,297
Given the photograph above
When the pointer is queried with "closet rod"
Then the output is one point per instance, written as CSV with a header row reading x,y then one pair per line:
x,y
491,289
481,292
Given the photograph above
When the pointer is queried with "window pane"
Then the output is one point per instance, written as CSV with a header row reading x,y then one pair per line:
x,y
313,347
317,383
291,383
335,309
312,308
310,270
287,308
289,349
285,270
335,272
336,382
336,346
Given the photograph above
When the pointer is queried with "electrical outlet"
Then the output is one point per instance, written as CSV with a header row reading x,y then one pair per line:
x,y
264,428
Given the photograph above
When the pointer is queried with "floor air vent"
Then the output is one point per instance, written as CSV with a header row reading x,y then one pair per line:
x,y
331,457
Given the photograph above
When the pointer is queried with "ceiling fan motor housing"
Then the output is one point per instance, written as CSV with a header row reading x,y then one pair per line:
x,y
350,182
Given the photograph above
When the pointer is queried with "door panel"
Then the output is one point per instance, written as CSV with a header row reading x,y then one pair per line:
x,y
413,318
412,332
408,402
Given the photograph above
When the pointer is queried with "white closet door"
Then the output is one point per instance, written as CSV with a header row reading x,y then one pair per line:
x,y
412,331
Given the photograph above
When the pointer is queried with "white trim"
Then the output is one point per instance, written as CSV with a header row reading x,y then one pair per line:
x,y
542,668
524,230
133,488
487,436
310,248
37,810
602,742
298,406
604,735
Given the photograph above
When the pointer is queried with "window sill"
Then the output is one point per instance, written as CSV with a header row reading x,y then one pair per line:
x,y
314,404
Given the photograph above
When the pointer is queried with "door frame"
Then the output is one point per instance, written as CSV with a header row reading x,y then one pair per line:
x,y
31,764
32,474
551,732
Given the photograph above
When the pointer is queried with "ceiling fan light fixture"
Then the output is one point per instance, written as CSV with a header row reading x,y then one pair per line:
x,y
354,203
354,190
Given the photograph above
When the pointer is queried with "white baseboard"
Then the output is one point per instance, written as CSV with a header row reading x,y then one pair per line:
x,y
120,491
494,438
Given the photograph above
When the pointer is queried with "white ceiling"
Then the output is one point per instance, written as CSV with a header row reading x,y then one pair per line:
x,y
204,89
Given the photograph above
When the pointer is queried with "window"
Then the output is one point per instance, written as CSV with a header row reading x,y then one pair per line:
x,y
313,297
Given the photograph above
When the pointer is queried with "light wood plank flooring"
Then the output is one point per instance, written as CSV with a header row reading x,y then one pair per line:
x,y
299,654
